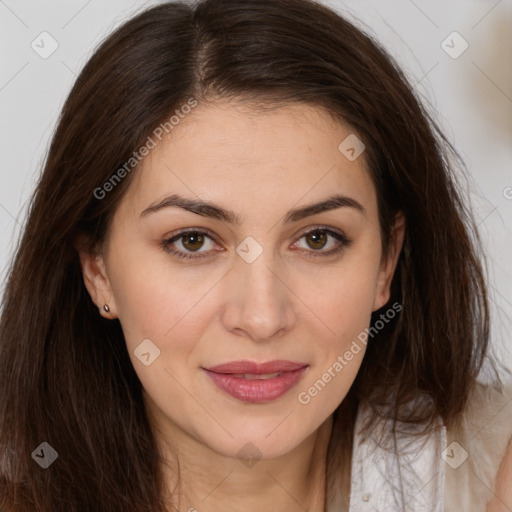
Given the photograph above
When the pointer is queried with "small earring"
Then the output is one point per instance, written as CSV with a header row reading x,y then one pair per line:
x,y
106,308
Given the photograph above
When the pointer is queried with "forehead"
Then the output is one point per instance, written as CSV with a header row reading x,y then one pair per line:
x,y
227,151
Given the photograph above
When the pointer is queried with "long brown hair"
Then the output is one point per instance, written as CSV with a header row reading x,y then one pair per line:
x,y
65,375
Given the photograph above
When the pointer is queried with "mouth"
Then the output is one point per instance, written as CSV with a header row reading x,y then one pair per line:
x,y
256,382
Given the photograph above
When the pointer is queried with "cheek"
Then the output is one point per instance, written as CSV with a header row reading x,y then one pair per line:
x,y
154,305
338,356
344,304
344,296
159,308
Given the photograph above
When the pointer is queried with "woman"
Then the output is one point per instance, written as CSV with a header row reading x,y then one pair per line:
x,y
248,281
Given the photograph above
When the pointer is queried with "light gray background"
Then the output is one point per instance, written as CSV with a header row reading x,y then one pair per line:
x,y
472,95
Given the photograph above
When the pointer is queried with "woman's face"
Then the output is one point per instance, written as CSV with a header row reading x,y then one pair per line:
x,y
260,278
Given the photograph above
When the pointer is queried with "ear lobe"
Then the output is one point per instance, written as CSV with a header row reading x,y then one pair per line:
x,y
388,265
97,282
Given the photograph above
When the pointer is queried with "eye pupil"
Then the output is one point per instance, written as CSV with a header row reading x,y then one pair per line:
x,y
195,239
318,237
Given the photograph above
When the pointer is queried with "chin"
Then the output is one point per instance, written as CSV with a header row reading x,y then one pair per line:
x,y
258,441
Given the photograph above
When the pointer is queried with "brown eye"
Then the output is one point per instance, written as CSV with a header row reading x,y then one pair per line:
x,y
322,242
190,244
192,241
316,239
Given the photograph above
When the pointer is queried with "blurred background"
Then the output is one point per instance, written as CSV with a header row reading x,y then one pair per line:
x,y
458,55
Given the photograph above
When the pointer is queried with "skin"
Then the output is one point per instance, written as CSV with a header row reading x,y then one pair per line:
x,y
502,500
283,305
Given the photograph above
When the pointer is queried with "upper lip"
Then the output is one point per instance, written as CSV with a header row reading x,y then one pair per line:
x,y
256,368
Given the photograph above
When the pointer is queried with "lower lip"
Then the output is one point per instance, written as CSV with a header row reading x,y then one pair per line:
x,y
257,390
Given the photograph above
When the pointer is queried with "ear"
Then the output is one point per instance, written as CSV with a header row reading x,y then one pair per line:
x,y
388,265
96,279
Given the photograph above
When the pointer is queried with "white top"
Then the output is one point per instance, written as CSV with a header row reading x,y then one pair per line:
x,y
447,471
376,485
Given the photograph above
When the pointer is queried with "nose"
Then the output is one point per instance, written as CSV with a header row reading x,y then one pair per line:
x,y
259,304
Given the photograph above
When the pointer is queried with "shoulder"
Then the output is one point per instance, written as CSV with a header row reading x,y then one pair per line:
x,y
502,501
477,450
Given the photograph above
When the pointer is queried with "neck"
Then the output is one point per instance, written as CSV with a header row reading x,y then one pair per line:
x,y
199,479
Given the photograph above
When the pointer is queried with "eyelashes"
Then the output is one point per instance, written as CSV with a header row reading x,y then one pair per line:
x,y
168,244
202,235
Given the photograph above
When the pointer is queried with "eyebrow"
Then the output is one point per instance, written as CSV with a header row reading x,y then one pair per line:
x,y
208,209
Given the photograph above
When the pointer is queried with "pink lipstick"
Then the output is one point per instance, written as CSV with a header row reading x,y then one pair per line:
x,y
256,382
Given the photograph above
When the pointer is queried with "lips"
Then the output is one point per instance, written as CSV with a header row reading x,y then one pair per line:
x,y
256,382
256,368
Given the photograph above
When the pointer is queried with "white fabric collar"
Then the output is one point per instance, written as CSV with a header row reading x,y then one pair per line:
x,y
412,481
